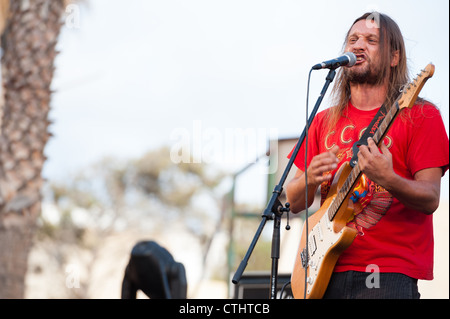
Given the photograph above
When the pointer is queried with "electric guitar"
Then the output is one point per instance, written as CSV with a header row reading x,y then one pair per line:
x,y
328,234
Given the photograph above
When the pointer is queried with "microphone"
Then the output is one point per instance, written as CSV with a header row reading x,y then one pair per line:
x,y
348,59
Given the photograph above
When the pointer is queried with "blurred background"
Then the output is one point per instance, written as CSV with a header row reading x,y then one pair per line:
x,y
161,114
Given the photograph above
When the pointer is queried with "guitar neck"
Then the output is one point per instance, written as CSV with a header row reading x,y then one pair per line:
x,y
356,173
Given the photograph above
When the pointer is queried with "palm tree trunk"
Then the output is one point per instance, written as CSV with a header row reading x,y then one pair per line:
x,y
28,45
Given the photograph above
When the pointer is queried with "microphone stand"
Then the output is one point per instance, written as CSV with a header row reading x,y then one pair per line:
x,y
275,209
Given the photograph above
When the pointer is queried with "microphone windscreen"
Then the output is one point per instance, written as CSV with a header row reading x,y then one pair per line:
x,y
352,58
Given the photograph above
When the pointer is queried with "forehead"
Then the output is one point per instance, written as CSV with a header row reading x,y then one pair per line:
x,y
365,28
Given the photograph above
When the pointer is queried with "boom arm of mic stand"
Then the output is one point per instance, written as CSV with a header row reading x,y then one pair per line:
x,y
274,208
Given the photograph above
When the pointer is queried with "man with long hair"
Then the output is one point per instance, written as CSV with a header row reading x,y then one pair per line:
x,y
400,186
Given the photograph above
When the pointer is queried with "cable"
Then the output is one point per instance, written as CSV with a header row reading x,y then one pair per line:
x,y
283,288
306,185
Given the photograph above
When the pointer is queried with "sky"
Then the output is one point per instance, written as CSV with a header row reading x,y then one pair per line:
x,y
221,77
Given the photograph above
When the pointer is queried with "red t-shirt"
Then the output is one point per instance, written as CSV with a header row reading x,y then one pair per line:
x,y
390,236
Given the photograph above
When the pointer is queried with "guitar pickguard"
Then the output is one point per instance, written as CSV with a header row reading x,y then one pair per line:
x,y
321,240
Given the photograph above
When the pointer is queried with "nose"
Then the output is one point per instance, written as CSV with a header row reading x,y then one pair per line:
x,y
358,44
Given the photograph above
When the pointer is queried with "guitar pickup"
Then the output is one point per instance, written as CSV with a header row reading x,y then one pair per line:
x,y
312,244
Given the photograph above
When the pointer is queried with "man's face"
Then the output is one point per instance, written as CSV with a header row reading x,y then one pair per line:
x,y
364,42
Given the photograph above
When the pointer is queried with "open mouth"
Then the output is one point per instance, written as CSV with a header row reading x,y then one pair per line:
x,y
360,58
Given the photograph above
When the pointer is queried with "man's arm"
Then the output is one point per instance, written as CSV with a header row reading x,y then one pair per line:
x,y
422,193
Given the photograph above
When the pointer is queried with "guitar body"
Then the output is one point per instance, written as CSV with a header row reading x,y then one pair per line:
x,y
326,240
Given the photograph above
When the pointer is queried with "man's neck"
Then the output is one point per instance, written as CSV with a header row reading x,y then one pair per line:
x,y
368,97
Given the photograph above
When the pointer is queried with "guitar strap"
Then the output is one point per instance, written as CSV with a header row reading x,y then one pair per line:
x,y
369,132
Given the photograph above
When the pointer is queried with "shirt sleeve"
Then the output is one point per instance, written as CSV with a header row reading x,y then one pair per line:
x,y
429,145
313,144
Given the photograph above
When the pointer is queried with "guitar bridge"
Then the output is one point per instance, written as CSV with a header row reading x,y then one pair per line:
x,y
304,258
312,245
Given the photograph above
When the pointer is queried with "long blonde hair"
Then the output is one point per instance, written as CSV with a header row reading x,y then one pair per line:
x,y
391,40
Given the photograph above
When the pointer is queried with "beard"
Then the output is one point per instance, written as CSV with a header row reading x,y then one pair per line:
x,y
367,74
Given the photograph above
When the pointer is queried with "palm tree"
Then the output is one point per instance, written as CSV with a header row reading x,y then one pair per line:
x,y
30,30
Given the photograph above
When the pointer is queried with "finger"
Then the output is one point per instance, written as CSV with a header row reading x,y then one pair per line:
x,y
326,177
331,155
326,168
364,156
364,151
372,146
324,164
362,161
361,157
385,150
335,150
317,178
326,158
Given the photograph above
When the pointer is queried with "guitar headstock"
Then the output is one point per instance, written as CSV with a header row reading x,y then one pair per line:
x,y
411,91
